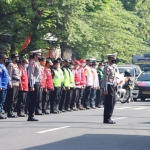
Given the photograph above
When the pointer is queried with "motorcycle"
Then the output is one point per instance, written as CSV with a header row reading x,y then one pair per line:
x,y
125,87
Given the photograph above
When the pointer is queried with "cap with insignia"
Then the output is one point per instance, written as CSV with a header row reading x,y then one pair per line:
x,y
14,55
111,55
36,52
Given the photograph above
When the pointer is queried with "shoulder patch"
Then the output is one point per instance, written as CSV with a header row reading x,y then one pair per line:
x,y
0,69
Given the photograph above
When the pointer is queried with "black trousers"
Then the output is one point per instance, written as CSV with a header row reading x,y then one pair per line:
x,y
34,99
69,98
12,98
109,103
87,93
81,93
63,99
45,99
56,96
75,99
22,98
100,97
39,102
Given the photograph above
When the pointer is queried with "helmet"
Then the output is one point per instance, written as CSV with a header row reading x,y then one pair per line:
x,y
127,73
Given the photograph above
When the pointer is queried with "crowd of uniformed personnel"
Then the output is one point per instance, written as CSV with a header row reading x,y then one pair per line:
x,y
39,86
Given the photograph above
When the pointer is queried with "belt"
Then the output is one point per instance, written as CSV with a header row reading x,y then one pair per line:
x,y
15,79
110,83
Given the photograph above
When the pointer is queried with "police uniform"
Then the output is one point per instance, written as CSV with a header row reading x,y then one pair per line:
x,y
4,80
110,84
12,96
34,75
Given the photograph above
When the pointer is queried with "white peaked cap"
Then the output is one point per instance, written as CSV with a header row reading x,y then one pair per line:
x,y
35,51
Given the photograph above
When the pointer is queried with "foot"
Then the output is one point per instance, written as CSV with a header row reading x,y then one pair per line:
x,y
93,107
63,110
45,112
81,108
2,116
88,107
74,109
38,112
11,115
68,109
32,119
109,122
100,106
21,115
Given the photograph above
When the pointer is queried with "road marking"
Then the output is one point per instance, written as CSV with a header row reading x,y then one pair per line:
x,y
119,118
124,108
54,129
139,108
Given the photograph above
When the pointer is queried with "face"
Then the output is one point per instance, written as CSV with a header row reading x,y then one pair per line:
x,y
16,59
112,60
43,63
56,65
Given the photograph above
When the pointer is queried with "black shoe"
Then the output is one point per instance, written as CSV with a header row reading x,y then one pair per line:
x,y
68,109
2,116
63,110
93,107
38,112
32,119
45,112
100,106
87,107
109,121
21,115
11,115
55,112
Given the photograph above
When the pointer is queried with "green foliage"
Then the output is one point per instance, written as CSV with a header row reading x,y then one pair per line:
x,y
92,28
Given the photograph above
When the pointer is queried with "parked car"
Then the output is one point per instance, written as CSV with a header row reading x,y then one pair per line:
x,y
142,87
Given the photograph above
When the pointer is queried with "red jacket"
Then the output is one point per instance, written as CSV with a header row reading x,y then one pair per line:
x,y
49,80
77,77
83,77
24,79
43,80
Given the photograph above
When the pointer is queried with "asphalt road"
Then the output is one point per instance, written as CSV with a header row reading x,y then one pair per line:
x,y
82,130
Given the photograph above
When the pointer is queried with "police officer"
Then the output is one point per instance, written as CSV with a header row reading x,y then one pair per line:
x,y
110,84
34,75
100,92
4,80
14,82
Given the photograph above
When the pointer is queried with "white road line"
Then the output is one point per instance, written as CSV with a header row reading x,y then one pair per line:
x,y
139,108
54,129
123,107
119,118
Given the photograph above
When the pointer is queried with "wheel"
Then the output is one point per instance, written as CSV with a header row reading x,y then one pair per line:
x,y
135,99
126,97
142,99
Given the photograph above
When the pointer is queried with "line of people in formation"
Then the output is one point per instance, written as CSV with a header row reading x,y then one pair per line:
x,y
31,87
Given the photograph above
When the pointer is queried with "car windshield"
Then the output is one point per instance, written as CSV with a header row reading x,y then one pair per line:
x,y
144,77
122,70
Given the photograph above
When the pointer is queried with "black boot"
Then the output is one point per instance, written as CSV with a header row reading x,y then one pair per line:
x,y
30,118
38,112
21,114
45,112
11,114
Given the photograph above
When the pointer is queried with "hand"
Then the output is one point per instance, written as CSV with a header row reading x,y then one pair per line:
x,y
68,88
21,89
64,88
32,89
45,89
116,88
105,93
0,89
10,86
52,89
98,88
